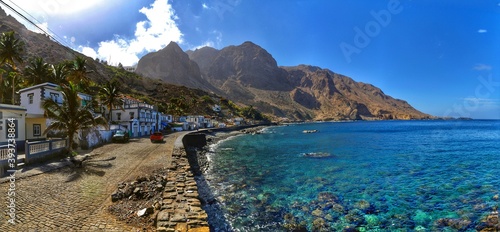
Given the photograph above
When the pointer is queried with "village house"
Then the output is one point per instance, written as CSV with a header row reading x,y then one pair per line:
x,y
31,99
13,115
138,118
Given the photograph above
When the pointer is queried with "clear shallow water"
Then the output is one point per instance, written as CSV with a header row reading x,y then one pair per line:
x,y
381,176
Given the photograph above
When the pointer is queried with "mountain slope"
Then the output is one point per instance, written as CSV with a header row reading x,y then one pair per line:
x,y
173,66
249,74
341,97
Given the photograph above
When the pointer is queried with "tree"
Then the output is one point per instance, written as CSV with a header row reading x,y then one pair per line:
x,y
11,50
252,113
110,97
70,116
37,72
78,73
11,81
177,105
59,74
3,86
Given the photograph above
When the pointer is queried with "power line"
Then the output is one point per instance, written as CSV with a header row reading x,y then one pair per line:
x,y
39,23
36,25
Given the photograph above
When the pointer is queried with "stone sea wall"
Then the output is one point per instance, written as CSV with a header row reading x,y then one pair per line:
x,y
187,203
181,208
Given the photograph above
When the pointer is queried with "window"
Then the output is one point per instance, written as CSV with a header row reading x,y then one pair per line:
x,y
119,116
37,130
54,96
1,114
30,98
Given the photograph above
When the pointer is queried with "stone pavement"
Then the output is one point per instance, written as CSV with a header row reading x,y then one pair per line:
x,y
72,199
181,208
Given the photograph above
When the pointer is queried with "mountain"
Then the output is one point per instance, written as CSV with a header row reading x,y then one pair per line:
x,y
249,74
331,95
36,45
173,66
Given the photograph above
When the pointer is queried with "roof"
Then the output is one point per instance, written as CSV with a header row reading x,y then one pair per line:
x,y
11,107
46,84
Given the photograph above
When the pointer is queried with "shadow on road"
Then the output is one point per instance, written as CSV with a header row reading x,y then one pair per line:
x,y
87,169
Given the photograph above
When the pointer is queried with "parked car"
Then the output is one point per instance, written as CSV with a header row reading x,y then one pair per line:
x,y
120,136
156,137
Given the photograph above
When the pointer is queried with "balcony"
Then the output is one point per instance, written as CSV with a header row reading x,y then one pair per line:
x,y
137,105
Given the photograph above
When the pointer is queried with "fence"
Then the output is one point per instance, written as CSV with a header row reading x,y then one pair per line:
x,y
44,149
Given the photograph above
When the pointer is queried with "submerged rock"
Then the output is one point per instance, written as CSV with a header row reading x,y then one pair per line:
x,y
355,217
319,225
317,155
490,223
317,213
328,196
365,207
455,223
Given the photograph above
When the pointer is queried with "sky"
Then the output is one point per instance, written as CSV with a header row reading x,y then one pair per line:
x,y
442,57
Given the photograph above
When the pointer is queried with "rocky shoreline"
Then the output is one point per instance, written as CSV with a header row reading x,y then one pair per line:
x,y
199,162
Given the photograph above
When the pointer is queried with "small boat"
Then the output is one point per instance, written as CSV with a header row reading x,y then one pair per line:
x,y
310,131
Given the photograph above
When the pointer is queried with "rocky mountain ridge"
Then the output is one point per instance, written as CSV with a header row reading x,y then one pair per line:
x,y
250,75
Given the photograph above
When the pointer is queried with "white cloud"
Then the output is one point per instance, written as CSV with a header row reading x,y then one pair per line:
x,y
482,31
205,6
206,44
88,52
41,9
482,67
151,35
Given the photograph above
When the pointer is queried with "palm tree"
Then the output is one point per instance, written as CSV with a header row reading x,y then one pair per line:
x,y
78,73
37,72
11,49
3,86
11,82
59,74
70,116
177,106
110,97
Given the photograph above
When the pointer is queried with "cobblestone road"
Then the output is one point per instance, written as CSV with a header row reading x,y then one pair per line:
x,y
69,200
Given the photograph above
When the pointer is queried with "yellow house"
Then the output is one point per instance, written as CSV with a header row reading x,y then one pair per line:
x,y
32,98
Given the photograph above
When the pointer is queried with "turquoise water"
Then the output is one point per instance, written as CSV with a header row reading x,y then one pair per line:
x,y
380,176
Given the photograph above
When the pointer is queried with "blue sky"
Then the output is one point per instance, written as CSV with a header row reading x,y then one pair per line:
x,y
440,56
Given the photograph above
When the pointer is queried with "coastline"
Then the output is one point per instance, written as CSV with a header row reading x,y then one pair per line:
x,y
199,163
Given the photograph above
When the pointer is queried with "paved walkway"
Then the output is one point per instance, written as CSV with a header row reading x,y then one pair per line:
x,y
69,199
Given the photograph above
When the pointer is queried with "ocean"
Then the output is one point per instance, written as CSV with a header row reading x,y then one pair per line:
x,y
360,176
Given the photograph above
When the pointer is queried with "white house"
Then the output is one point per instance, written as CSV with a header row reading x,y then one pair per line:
x,y
197,120
238,121
12,125
216,108
164,120
31,99
137,117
